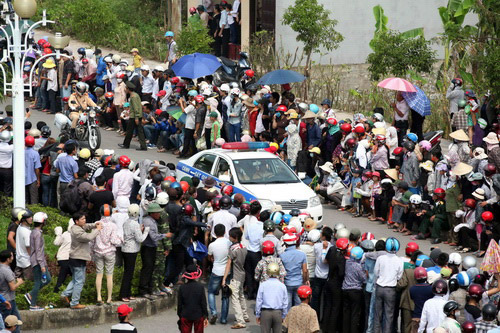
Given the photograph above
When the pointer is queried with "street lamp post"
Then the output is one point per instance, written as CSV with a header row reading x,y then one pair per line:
x,y
16,17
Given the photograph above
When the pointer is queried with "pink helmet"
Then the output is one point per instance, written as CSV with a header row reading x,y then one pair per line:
x,y
424,144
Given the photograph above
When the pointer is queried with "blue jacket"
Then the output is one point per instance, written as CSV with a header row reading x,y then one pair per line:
x,y
101,71
165,126
313,135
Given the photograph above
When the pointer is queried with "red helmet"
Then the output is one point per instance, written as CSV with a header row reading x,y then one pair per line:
x,y
158,112
411,247
109,94
184,185
376,174
350,142
304,292
490,169
368,174
245,208
397,151
249,73
281,108
420,273
124,161
342,243
468,327
47,50
85,61
192,10
440,287
440,193
227,190
29,141
332,121
199,98
268,247
65,99
487,216
346,127
367,235
359,130
380,138
187,209
46,45
349,248
475,290
120,76
171,178
41,41
215,203
471,203
174,80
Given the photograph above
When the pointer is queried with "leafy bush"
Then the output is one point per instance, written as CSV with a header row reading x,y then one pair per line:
x,y
193,38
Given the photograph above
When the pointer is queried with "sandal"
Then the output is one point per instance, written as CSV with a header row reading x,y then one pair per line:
x,y
237,326
125,299
161,150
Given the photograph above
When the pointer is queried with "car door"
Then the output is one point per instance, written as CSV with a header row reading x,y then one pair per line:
x,y
223,171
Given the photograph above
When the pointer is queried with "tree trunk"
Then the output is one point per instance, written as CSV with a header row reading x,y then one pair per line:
x,y
307,75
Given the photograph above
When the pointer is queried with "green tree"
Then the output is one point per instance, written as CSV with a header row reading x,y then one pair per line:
x,y
193,38
314,27
397,55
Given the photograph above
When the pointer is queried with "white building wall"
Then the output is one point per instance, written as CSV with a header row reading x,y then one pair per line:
x,y
357,24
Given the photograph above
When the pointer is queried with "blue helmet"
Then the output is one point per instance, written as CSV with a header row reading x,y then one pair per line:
x,y
472,272
463,279
169,34
175,185
314,108
192,93
277,217
392,245
357,253
420,260
287,218
413,137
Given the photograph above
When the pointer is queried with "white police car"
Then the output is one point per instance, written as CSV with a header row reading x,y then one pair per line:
x,y
255,174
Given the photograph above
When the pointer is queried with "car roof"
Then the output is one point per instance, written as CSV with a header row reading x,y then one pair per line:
x,y
242,154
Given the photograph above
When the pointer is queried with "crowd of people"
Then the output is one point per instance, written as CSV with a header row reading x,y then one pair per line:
x,y
303,276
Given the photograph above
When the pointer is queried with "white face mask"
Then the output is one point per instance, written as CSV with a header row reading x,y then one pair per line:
x,y
119,80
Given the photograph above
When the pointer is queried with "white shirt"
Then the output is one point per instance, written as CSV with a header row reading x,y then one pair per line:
x,y
122,183
22,245
388,270
219,249
321,269
255,233
224,217
190,117
52,82
147,84
6,155
156,88
403,108
259,126
308,249
244,223
432,314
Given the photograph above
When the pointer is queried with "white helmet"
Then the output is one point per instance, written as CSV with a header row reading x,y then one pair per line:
x,y
290,239
40,217
225,87
235,91
131,166
343,233
34,133
416,199
207,90
455,259
159,68
378,116
469,262
108,59
116,58
162,198
5,136
234,85
339,226
303,107
81,88
295,223
314,235
133,210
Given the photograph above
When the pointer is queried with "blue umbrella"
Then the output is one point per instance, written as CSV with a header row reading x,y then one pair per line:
x,y
418,101
196,65
281,76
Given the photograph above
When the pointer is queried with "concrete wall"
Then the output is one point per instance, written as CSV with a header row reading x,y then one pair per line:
x,y
357,24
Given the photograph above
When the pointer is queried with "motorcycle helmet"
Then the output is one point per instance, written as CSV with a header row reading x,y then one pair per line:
x,y
304,292
420,273
281,108
133,210
225,87
175,80
487,216
449,307
267,247
234,85
45,131
245,208
295,212
199,98
490,169
346,128
162,198
150,192
225,202
24,214
40,217
397,151
357,253
290,238
342,244
116,58
463,279
85,153
470,203
489,311
453,285
277,217
475,290
455,259
314,235
338,226
409,145
215,203
269,226
165,185
227,190
5,136
105,210
273,270
411,247
81,51
359,129
235,91
468,327
14,212
426,145
378,116
29,141
392,245
380,138
169,34
187,209
472,272
440,193
440,287
416,199
350,143
313,108
81,88
367,245
343,233
249,73
332,121
368,236
412,137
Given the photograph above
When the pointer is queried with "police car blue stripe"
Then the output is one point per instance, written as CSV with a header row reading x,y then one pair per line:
x,y
193,172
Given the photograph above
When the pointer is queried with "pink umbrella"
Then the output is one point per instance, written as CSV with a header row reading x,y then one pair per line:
x,y
395,83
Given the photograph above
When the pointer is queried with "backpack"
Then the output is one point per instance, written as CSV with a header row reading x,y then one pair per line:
x,y
71,201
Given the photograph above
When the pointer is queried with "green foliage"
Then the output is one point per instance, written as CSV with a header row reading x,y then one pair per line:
x,y
488,62
193,38
313,25
396,55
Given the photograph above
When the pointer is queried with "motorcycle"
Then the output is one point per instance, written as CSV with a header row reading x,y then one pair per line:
x,y
86,127
434,138
231,71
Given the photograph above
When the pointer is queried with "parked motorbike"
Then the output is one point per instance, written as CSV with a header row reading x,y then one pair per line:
x,y
86,129
231,71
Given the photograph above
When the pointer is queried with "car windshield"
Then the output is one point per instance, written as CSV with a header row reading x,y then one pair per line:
x,y
264,171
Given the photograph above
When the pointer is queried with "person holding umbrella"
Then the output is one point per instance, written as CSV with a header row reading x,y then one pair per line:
x,y
401,113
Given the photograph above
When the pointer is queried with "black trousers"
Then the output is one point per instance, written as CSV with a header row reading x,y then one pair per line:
x,y
208,134
64,271
353,303
225,42
251,261
189,143
332,318
6,181
417,123
131,126
180,258
52,101
402,128
317,286
467,238
129,260
148,257
217,46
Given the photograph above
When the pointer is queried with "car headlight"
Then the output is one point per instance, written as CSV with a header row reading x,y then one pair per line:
x,y
266,204
314,201
92,114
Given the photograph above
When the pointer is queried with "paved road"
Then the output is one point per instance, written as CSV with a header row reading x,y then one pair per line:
x,y
167,320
